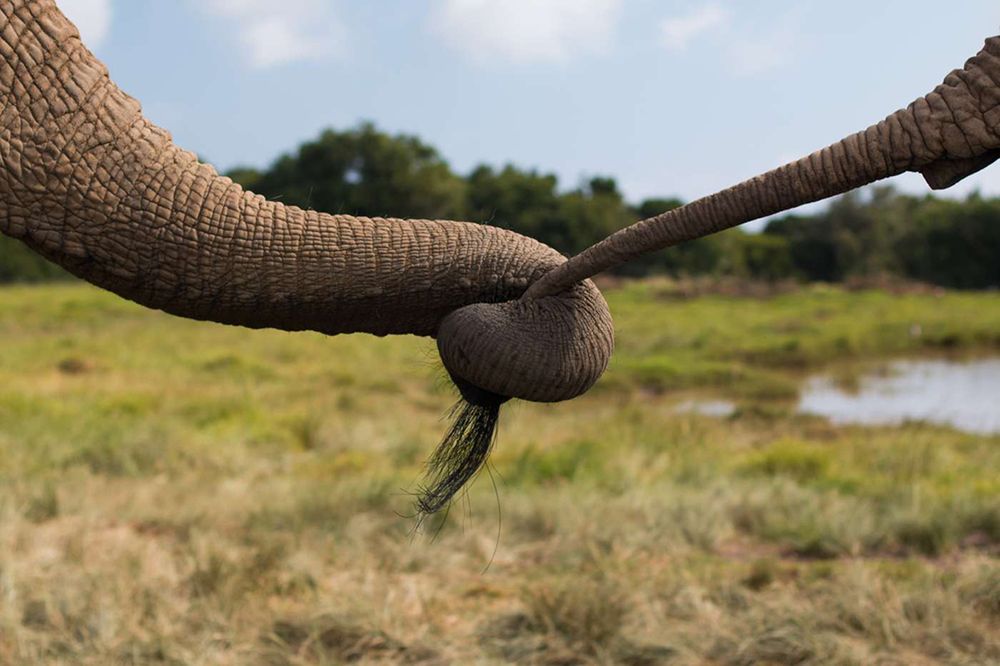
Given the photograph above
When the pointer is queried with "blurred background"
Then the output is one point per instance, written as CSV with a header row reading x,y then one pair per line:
x,y
794,457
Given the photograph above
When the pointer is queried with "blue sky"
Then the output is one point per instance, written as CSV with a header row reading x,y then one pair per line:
x,y
670,97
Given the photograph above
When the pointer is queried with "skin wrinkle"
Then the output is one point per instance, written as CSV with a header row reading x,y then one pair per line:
x,y
949,103
983,83
227,279
924,121
830,166
907,124
976,85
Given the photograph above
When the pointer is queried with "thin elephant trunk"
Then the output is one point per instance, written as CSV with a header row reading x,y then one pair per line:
x,y
947,135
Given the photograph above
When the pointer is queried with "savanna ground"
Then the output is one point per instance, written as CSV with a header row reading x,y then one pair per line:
x,y
182,492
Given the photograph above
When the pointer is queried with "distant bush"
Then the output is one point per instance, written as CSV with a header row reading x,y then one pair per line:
x,y
944,242
954,244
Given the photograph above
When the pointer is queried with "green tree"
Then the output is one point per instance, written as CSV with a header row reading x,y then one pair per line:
x,y
759,256
953,244
592,212
652,207
248,177
363,172
525,201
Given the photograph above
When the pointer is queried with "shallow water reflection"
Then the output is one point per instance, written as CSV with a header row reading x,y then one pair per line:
x,y
716,408
965,395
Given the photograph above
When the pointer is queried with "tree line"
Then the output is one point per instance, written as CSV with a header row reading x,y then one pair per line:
x,y
363,171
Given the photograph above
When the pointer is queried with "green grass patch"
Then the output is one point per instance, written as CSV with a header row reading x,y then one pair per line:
x,y
185,492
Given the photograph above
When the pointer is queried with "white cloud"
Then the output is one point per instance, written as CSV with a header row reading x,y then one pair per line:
x,y
678,32
757,55
748,44
526,31
91,17
280,32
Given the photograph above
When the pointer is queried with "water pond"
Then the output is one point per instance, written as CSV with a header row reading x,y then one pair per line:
x,y
962,394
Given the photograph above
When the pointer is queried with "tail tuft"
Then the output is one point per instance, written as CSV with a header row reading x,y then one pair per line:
x,y
463,451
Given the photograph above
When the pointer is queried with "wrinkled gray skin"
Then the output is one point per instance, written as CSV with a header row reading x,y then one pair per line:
x,y
87,182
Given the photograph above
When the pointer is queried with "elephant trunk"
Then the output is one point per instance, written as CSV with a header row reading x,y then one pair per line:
x,y
89,183
946,135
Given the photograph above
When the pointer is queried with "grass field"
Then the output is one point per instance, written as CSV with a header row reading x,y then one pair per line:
x,y
181,492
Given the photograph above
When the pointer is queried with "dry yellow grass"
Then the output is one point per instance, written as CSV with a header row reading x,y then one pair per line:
x,y
179,492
